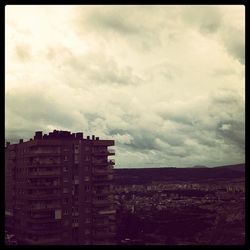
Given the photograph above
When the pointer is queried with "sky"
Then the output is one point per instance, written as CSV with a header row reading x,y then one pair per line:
x,y
166,82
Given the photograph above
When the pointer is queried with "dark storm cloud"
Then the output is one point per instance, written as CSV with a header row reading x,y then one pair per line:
x,y
231,128
230,119
146,139
149,77
91,116
122,23
208,18
14,135
141,139
196,130
205,139
228,97
172,139
114,22
117,131
37,113
178,118
232,132
102,71
235,44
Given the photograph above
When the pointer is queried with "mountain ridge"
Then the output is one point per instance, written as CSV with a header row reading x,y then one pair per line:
x,y
146,175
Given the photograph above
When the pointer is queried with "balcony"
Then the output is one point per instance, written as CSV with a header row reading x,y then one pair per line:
x,y
99,225
98,222
101,171
43,186
44,207
100,152
41,152
105,212
55,241
112,161
41,220
103,179
104,152
42,196
111,151
98,162
103,191
43,164
44,226
43,231
102,202
104,235
12,157
108,162
43,174
100,217
41,155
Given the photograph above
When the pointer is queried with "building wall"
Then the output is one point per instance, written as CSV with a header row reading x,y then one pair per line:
x,y
57,190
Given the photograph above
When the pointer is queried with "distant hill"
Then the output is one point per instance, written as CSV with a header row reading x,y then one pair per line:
x,y
199,174
199,166
237,167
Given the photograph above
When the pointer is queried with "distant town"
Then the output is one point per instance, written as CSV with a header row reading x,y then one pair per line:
x,y
193,206
63,189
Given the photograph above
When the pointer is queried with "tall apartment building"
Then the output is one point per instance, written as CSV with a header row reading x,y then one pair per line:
x,y
59,189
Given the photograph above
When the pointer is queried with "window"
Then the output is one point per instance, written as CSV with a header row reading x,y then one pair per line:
x,y
58,214
65,179
65,201
65,169
76,181
76,149
75,212
86,198
100,198
65,158
76,159
65,190
74,209
86,178
65,234
75,224
65,212
87,188
87,220
87,231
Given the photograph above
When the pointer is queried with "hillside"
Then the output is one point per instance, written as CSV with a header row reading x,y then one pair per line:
x,y
146,175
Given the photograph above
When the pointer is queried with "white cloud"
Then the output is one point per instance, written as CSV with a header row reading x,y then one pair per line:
x,y
166,84
225,127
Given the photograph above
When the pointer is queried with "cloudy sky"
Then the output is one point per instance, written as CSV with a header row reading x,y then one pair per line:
x,y
166,82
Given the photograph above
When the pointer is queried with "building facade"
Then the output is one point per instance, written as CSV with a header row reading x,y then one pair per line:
x,y
59,188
